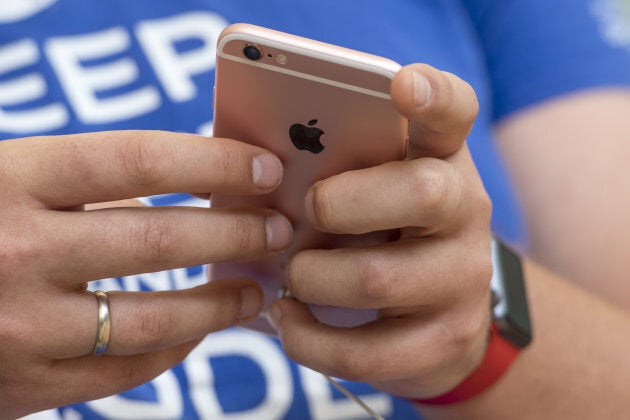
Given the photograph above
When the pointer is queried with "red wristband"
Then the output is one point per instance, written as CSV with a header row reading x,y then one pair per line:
x,y
499,356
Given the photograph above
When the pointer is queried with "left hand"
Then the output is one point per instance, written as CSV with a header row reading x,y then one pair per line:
x,y
431,286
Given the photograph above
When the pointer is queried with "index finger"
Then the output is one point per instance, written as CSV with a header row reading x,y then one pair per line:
x,y
65,171
440,107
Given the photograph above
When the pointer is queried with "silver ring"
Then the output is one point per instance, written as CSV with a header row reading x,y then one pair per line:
x,y
104,323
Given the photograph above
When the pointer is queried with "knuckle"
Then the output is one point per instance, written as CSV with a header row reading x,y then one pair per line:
x,y
17,253
483,269
145,160
156,239
233,164
464,333
243,238
459,336
476,270
150,326
478,263
484,206
375,285
473,106
478,200
430,186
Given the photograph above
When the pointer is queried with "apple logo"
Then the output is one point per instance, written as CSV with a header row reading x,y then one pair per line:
x,y
306,137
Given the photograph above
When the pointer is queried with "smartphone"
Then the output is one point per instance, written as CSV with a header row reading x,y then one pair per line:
x,y
323,110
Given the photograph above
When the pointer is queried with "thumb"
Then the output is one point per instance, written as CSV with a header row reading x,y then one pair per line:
x,y
440,107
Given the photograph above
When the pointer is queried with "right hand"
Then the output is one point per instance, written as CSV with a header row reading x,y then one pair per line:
x,y
50,247
431,287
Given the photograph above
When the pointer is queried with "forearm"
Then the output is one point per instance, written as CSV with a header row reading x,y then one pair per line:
x,y
568,159
576,367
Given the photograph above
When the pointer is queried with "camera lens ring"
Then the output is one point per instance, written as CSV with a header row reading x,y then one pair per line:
x,y
252,52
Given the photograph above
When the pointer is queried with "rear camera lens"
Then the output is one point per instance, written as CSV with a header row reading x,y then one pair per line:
x,y
252,52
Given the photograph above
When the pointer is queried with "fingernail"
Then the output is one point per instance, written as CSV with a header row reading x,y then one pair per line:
x,y
267,170
251,302
279,232
308,207
274,314
421,89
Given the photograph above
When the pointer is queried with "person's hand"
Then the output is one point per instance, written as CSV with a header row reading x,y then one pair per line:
x,y
432,285
50,246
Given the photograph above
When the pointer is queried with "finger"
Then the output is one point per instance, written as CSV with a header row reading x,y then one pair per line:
x,y
116,242
440,107
93,377
143,322
384,350
71,170
407,273
424,192
130,202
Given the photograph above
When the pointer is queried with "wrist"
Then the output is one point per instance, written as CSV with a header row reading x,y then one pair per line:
x,y
499,356
510,330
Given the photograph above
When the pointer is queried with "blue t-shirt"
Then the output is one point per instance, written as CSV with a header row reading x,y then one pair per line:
x,y
69,66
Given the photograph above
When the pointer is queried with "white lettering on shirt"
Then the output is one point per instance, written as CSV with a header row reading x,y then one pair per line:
x,y
82,83
167,405
263,352
23,89
100,78
176,69
323,406
14,11
614,21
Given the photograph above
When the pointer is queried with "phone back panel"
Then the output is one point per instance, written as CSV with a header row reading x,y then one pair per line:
x,y
340,94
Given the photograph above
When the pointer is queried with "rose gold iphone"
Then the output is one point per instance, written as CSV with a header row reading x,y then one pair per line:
x,y
323,110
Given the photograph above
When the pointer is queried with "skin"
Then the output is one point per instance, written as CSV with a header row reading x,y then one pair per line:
x,y
577,366
427,305
52,245
435,312
568,161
